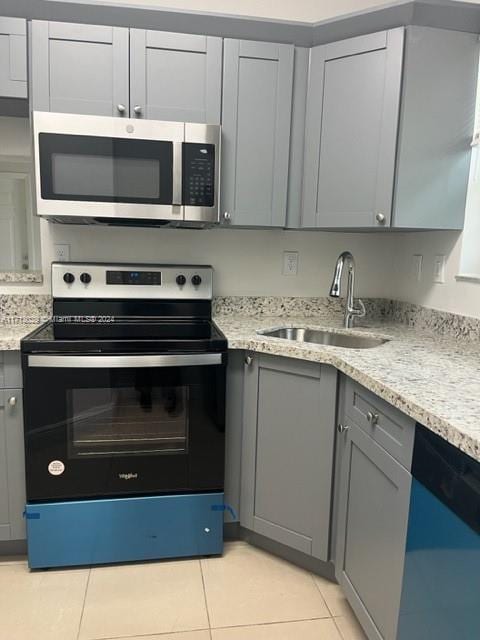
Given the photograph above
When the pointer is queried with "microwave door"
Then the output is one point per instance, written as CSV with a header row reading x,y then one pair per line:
x,y
131,171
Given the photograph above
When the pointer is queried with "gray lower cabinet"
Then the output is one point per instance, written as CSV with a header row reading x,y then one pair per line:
x,y
175,76
13,57
79,68
12,466
287,451
256,118
372,495
385,145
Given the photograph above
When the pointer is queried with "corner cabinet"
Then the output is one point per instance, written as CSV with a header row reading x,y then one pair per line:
x,y
287,451
137,73
256,118
13,56
385,145
372,498
12,460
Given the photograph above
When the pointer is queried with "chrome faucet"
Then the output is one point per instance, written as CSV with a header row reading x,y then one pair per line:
x,y
351,311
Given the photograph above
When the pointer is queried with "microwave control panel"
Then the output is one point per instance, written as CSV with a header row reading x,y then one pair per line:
x,y
198,174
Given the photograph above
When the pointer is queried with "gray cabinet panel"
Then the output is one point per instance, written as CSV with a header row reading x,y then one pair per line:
x,y
176,76
391,428
233,430
351,130
436,127
79,68
374,496
13,57
256,118
287,452
12,466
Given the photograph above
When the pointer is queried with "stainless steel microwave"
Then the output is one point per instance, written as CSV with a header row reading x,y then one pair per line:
x,y
125,171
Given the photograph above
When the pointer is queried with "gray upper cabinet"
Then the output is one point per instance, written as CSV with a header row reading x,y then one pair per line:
x,y
79,68
13,56
385,145
256,118
287,452
175,76
373,503
351,129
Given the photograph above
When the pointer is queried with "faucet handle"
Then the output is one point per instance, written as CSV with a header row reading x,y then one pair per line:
x,y
361,312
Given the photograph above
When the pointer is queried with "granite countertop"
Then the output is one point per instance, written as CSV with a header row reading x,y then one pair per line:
x,y
434,380
11,334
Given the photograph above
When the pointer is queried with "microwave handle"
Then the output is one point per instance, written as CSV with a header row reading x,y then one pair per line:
x,y
125,362
177,174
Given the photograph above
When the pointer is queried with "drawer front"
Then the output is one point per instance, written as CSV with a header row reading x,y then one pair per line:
x,y
392,429
10,370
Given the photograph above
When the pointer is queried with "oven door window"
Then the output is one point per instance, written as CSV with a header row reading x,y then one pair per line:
x,y
101,169
127,421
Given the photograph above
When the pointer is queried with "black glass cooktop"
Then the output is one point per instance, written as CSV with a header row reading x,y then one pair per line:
x,y
103,335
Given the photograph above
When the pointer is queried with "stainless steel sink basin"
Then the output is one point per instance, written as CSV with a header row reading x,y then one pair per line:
x,y
324,337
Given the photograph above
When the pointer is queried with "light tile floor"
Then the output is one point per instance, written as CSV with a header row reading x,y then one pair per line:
x,y
247,594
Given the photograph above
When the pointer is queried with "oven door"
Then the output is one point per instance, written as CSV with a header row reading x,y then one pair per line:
x,y
108,167
123,425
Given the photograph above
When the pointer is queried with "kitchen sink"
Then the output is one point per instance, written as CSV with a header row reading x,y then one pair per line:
x,y
330,338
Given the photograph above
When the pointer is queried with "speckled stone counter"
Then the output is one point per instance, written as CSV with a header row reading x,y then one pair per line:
x,y
434,380
11,334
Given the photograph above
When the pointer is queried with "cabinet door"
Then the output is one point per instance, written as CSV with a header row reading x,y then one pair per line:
x,y
257,104
372,529
287,452
175,76
13,57
12,466
79,68
351,131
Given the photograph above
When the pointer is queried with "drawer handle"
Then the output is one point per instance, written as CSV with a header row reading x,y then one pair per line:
x,y
12,401
372,418
342,428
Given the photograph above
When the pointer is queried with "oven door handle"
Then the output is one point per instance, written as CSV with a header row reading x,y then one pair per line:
x,y
125,362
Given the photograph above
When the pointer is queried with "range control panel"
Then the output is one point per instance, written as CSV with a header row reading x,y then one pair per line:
x,y
160,282
198,174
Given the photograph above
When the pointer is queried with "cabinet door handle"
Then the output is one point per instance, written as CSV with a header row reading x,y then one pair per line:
x,y
227,216
138,109
249,360
12,401
380,218
342,428
372,418
121,108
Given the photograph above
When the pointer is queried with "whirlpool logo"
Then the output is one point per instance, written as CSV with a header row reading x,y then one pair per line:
x,y
128,476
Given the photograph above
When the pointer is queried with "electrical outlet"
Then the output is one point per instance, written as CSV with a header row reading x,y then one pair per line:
x,y
290,263
417,267
62,252
439,269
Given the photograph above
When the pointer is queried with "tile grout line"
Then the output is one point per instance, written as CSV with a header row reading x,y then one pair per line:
x,y
205,598
84,601
268,624
312,575
338,628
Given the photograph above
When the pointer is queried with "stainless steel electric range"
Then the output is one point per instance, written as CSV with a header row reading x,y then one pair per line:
x,y
124,394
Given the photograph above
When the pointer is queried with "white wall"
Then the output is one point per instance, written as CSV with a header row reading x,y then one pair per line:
x,y
246,262
15,141
454,295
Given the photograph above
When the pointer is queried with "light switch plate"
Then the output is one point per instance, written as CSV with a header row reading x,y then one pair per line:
x,y
417,267
290,263
439,270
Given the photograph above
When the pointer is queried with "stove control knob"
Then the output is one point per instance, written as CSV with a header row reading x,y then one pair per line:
x,y
86,278
181,280
69,278
196,280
